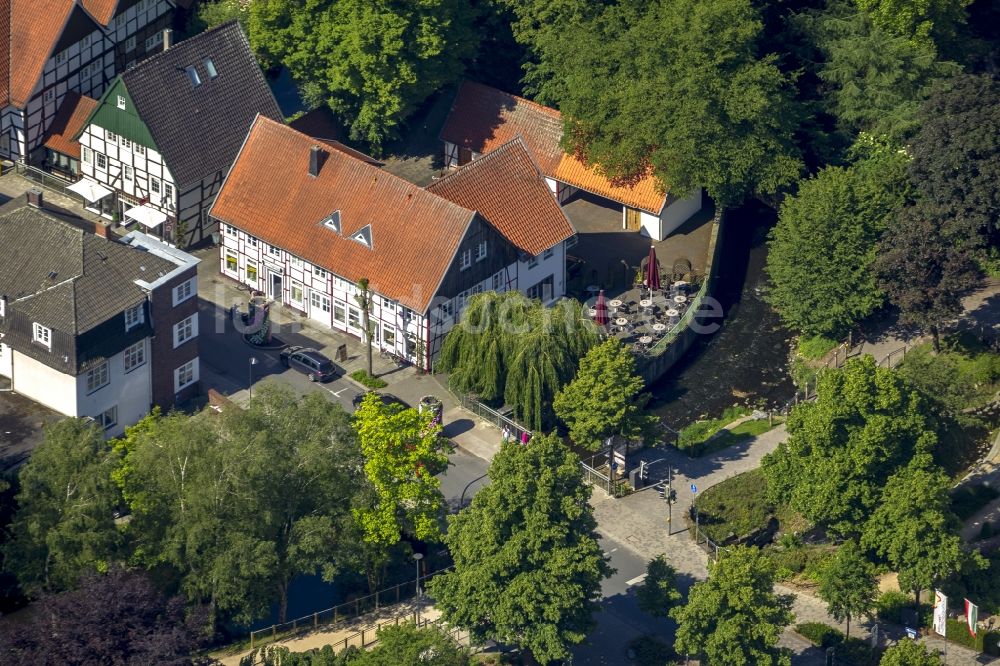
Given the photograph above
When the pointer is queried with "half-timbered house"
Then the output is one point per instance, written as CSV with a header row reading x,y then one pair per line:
x,y
51,47
306,234
91,326
483,118
163,135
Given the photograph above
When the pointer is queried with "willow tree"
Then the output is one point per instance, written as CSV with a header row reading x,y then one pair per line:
x,y
508,346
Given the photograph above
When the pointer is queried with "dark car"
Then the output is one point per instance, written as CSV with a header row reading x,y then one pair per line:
x,y
387,399
310,362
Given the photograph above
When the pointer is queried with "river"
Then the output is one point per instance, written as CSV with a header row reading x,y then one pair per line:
x,y
745,361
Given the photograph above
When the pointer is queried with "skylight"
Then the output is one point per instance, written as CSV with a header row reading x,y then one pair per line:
x,y
210,68
364,236
333,221
193,75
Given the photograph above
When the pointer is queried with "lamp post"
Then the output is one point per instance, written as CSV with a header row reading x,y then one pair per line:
x,y
417,557
253,362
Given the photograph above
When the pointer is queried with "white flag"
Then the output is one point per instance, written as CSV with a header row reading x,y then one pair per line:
x,y
940,613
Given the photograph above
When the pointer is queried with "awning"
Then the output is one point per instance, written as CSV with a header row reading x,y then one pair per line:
x,y
146,215
89,190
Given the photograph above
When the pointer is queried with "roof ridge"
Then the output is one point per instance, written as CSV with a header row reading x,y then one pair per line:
x,y
485,158
184,42
541,107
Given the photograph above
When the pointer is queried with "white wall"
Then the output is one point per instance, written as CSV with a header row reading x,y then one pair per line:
x,y
554,265
6,360
674,214
45,385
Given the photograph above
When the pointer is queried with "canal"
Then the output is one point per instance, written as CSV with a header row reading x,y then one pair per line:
x,y
744,362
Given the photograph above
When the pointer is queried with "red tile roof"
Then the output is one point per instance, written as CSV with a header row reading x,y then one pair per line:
x,y
33,30
73,112
270,194
102,10
508,188
483,118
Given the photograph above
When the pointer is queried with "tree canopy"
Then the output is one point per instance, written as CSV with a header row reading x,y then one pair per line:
x,y
112,618
604,398
681,87
734,618
821,251
865,424
658,593
528,565
848,584
909,652
918,19
65,523
372,63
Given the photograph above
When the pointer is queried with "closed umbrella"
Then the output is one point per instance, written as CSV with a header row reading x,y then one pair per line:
x,y
601,310
652,271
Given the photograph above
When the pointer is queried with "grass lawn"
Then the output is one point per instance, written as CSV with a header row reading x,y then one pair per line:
x,y
735,507
710,435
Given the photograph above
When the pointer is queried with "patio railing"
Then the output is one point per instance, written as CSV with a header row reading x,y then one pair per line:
x,y
47,180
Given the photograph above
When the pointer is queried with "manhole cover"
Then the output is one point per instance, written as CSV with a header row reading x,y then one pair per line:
x,y
632,538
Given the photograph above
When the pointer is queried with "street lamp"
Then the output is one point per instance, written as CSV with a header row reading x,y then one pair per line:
x,y
417,557
253,362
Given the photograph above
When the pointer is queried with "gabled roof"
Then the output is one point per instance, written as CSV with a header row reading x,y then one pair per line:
x,y
270,194
69,120
508,189
70,280
102,10
483,118
199,128
28,34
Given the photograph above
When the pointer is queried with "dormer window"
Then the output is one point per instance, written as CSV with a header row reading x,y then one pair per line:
x,y
333,221
134,316
210,68
364,236
42,335
193,75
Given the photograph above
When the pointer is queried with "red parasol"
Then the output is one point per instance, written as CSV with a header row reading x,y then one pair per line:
x,y
601,310
652,270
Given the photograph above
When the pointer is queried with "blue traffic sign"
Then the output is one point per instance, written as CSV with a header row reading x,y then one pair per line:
x,y
694,488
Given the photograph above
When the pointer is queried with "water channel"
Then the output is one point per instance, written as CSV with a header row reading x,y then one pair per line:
x,y
745,362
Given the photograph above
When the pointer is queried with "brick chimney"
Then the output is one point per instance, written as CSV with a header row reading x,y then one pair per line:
x,y
101,229
315,160
35,197
168,38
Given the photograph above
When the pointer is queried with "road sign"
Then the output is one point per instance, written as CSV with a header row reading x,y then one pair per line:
x,y
694,489
911,633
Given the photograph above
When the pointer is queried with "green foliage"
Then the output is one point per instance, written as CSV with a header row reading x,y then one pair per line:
x,y
512,348
980,585
723,116
877,78
889,606
910,653
211,14
362,377
65,522
848,650
967,499
650,651
799,560
848,584
841,449
814,347
734,618
736,507
958,377
403,452
658,593
820,634
821,251
241,502
372,63
528,565
913,530
956,161
691,436
604,398
918,19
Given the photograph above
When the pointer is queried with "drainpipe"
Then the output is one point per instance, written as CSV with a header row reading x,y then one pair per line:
x,y
427,357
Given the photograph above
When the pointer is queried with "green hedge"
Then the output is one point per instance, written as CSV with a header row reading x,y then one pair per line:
x,y
736,506
821,634
851,651
362,377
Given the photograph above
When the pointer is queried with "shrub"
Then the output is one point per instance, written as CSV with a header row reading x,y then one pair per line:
x,y
805,561
735,507
967,500
815,347
821,634
889,605
362,377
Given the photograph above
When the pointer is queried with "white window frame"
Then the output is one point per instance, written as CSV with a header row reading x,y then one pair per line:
x,y
134,316
274,250
184,291
480,252
139,149
466,259
191,369
126,143
389,335
340,308
236,260
185,330
102,161
252,265
294,261
354,314
296,285
154,185
134,356
87,155
106,421
168,191
121,101
251,241
61,57
126,172
110,136
98,377
42,335
320,272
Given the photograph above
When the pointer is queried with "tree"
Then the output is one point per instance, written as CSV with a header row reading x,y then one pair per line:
x,y
956,159
528,565
604,398
922,272
821,251
734,618
914,530
364,299
939,20
864,426
372,63
507,346
908,652
877,78
65,522
403,452
241,503
113,618
679,87
211,14
658,593
848,584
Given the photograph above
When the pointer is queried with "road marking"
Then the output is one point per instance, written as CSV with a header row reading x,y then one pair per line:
x,y
336,394
636,580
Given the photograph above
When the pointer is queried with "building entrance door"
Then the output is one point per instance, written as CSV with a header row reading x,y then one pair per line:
x,y
633,219
274,286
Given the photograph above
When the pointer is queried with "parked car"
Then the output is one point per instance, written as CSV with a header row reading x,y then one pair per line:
x,y
387,399
310,362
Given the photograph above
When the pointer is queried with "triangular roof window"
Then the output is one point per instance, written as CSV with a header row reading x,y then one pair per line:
x,y
333,221
364,236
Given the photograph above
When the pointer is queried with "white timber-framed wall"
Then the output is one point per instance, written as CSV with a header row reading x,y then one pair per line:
x,y
674,213
86,65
